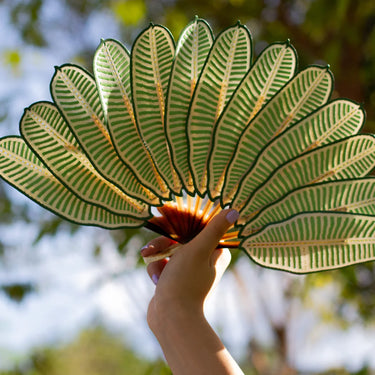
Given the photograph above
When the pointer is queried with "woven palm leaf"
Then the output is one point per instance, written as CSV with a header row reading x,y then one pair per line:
x,y
168,135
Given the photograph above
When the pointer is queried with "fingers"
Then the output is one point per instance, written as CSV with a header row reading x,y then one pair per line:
x,y
207,240
155,269
203,245
156,246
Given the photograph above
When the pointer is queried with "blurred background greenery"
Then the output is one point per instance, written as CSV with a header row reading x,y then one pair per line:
x,y
340,33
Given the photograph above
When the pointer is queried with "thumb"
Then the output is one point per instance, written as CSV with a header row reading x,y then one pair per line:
x,y
207,240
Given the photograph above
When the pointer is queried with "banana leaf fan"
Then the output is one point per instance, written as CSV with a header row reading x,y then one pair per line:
x,y
170,134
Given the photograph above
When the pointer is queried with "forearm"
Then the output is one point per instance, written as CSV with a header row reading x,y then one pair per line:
x,y
191,346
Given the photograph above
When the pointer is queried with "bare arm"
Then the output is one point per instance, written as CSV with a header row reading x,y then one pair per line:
x,y
176,312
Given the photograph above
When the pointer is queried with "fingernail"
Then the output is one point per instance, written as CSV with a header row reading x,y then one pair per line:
x,y
144,248
232,216
155,278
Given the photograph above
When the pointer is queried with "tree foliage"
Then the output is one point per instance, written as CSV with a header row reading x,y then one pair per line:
x,y
95,352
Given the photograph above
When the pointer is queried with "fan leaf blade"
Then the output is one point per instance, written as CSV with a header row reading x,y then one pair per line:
x,y
192,49
314,242
227,63
338,119
270,72
20,167
48,135
345,159
151,63
75,94
112,74
355,196
307,91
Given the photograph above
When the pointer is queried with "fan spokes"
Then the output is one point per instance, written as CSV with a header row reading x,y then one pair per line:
x,y
184,217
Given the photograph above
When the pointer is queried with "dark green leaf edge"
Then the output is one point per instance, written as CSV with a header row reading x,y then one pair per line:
x,y
109,128
62,215
296,190
291,127
195,91
230,100
289,218
268,103
75,135
307,153
54,173
152,25
196,19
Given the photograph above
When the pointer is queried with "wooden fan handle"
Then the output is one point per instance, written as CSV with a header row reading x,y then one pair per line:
x,y
163,254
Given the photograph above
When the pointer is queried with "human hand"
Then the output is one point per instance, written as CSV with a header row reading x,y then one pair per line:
x,y
184,281
175,313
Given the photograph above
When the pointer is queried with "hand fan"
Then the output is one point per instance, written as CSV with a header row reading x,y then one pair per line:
x,y
170,134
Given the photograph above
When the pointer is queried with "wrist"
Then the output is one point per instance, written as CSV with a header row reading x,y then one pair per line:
x,y
190,345
165,318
